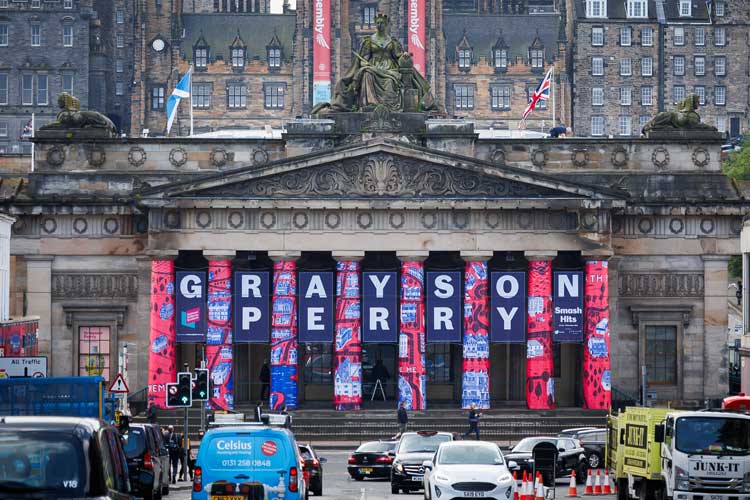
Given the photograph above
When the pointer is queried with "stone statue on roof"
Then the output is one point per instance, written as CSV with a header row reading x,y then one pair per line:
x,y
72,120
685,118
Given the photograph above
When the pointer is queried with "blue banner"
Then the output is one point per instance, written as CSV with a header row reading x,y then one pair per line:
x,y
379,307
316,306
508,305
190,303
567,312
443,309
252,299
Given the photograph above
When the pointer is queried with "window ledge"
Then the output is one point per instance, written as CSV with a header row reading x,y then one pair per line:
x,y
661,313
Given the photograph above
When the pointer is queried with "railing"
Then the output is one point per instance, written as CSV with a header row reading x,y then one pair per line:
x,y
621,399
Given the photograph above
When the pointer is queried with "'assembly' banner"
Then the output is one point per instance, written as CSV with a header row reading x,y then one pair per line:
x,y
322,51
567,312
379,307
315,303
252,301
190,301
508,300
444,306
417,41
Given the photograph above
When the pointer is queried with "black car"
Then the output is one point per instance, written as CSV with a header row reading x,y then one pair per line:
x,y
413,448
571,456
61,457
313,466
593,441
372,459
144,462
163,456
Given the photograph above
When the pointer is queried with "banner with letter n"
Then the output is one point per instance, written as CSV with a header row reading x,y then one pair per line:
x,y
379,307
315,305
190,302
444,306
508,306
567,311
252,303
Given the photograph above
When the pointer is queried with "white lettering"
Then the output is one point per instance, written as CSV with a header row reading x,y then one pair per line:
x,y
444,288
443,316
233,444
506,316
314,318
379,284
414,16
565,284
250,282
249,315
316,287
319,18
379,319
190,287
500,286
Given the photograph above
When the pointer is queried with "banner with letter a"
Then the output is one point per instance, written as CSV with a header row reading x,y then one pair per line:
x,y
417,42
322,51
597,378
315,307
219,357
161,356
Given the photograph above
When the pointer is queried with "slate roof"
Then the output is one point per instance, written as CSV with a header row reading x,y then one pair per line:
x,y
616,9
699,11
518,31
256,30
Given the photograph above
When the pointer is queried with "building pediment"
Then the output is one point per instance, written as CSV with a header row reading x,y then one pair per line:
x,y
379,170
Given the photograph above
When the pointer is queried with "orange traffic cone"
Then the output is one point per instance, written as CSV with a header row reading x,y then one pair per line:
x,y
572,490
598,483
607,488
515,486
589,485
529,488
523,487
539,489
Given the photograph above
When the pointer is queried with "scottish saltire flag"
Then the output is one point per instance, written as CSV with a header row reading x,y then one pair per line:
x,y
182,90
541,94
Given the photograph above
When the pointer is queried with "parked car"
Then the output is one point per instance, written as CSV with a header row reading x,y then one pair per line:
x,y
593,441
573,432
144,461
571,456
62,457
163,456
413,448
372,459
313,465
464,469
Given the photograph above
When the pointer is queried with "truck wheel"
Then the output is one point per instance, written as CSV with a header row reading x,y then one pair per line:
x,y
622,489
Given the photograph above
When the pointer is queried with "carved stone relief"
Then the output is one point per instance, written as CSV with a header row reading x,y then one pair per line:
x,y
75,285
661,285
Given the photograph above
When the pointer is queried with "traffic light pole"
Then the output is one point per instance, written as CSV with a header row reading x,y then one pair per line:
x,y
185,443
203,403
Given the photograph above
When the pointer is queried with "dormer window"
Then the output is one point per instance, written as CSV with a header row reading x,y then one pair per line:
x,y
501,59
273,51
596,8
368,14
637,8
200,54
536,54
238,58
720,9
686,8
464,59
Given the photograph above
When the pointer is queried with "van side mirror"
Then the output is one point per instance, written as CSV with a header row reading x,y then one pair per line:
x,y
322,460
391,453
513,465
659,433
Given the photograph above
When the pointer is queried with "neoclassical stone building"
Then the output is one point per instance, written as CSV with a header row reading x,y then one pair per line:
x,y
656,219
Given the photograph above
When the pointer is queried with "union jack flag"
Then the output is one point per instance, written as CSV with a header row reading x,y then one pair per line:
x,y
541,93
28,130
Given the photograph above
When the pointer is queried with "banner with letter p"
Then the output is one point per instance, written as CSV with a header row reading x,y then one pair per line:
x,y
252,307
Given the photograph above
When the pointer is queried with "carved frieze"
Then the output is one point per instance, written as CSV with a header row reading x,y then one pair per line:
x,y
83,285
661,285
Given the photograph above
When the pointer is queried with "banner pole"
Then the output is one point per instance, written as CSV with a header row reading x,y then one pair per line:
x,y
191,100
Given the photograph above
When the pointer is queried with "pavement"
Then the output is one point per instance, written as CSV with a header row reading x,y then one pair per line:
x,y
337,485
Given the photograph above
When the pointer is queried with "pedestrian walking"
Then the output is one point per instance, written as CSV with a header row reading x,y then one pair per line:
x,y
265,380
173,447
183,454
259,411
474,417
287,417
403,418
152,416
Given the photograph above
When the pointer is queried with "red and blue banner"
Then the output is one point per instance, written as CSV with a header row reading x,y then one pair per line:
x,y
251,307
284,336
411,345
191,306
347,361
315,307
322,51
540,382
379,307
475,386
508,315
19,338
417,38
219,357
161,354
568,306
597,375
443,310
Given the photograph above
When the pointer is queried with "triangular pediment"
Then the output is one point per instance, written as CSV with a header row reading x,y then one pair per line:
x,y
379,170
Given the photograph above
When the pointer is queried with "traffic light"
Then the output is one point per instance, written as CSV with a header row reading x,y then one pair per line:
x,y
200,389
185,389
173,400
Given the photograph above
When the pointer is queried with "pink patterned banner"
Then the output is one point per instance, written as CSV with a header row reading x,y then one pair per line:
x,y
417,31
597,377
540,384
284,336
219,334
411,345
347,387
161,356
476,363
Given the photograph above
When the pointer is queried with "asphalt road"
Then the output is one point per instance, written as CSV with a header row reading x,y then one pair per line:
x,y
337,485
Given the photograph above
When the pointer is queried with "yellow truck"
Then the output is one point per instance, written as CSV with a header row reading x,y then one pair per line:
x,y
664,454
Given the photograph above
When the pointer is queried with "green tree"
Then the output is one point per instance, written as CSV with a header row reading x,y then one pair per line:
x,y
738,165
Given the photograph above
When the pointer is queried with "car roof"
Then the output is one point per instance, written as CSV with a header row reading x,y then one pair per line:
x,y
88,425
431,433
451,444
247,429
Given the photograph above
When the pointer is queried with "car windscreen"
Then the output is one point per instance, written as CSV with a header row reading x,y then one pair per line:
x,y
376,447
134,442
469,454
416,443
527,445
713,435
41,464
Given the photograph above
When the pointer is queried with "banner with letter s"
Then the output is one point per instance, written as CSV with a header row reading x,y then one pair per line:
x,y
443,309
190,301
322,51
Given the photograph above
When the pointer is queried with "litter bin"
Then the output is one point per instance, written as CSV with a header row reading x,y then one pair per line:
x,y
545,462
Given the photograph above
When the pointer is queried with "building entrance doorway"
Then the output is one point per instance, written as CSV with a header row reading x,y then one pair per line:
x,y
379,361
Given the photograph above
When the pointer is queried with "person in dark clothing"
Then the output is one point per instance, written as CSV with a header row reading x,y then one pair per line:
x,y
265,380
193,454
174,446
258,411
559,131
380,372
474,417
287,417
403,418
152,416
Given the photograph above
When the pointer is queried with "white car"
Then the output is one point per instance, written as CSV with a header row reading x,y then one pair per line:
x,y
468,469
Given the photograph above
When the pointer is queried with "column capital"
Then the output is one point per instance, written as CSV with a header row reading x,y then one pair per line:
x,y
715,258
476,255
348,255
597,254
412,255
282,255
219,254
162,254
540,254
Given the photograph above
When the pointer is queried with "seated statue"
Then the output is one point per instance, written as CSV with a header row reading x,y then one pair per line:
x,y
379,76
71,117
685,117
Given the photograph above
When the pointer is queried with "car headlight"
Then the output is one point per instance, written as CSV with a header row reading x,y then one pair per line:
x,y
682,479
398,467
441,478
746,482
504,478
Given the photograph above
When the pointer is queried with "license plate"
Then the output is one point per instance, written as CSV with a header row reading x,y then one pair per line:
x,y
227,497
716,497
365,470
475,494
417,478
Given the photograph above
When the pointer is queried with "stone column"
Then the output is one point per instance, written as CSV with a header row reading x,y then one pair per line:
x,y
347,361
219,354
744,361
475,381
596,373
715,336
284,330
39,303
5,224
540,369
157,289
411,340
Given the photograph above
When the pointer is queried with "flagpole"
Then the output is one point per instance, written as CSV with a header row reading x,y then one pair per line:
x,y
33,128
552,84
191,100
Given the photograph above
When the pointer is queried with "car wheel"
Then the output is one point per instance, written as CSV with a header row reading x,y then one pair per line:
x,y
581,472
318,489
148,496
357,478
164,489
622,489
394,489
594,461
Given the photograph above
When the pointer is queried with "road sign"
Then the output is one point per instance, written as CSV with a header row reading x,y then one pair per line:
x,y
119,385
23,367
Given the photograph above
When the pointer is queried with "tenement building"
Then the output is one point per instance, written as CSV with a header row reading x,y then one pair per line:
x,y
635,57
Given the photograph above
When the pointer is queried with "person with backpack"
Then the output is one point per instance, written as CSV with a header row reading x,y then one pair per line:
x,y
174,447
474,417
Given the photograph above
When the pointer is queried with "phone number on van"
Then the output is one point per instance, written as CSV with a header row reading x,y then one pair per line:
x,y
245,463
